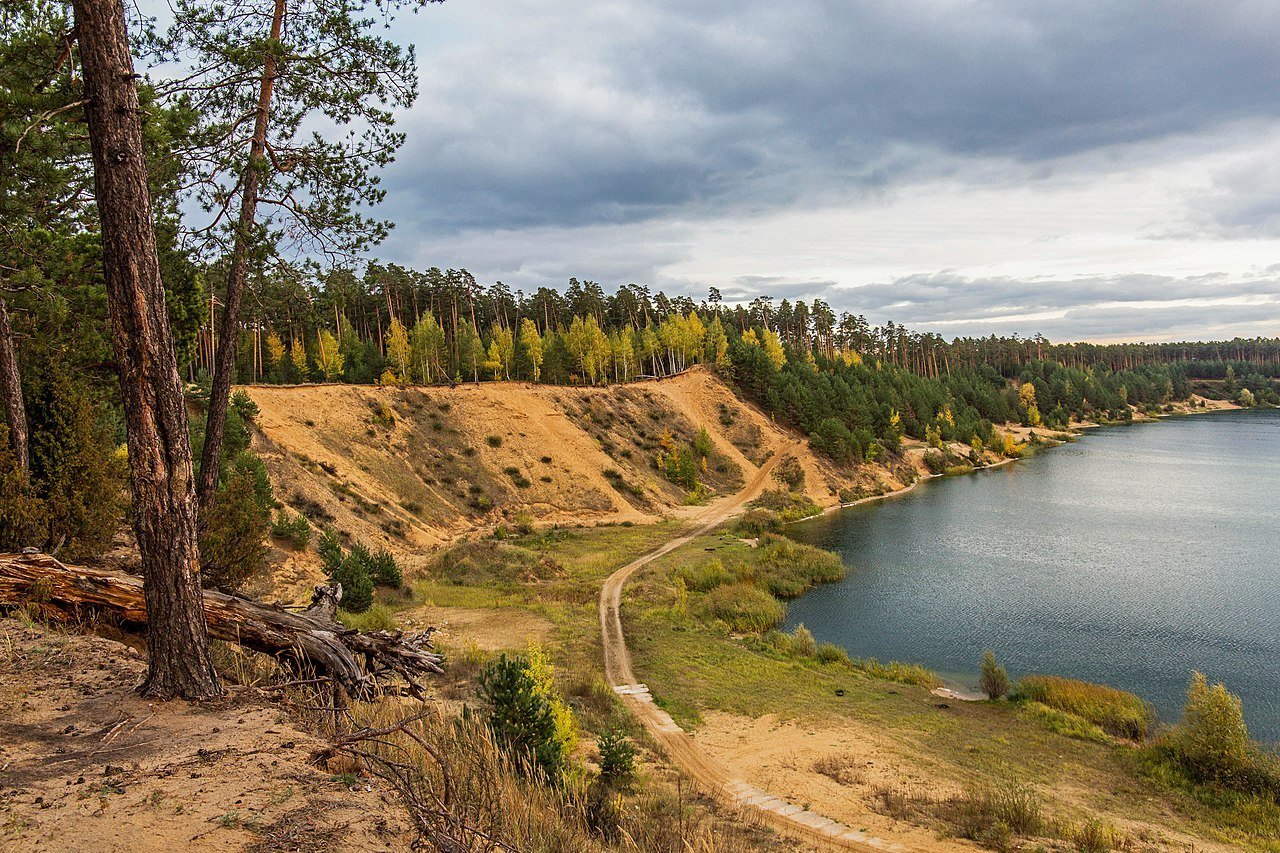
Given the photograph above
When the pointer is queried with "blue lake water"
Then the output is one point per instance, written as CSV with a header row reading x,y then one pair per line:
x,y
1130,557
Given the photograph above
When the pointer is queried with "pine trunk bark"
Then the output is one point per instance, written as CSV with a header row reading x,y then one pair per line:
x,y
228,332
164,507
15,412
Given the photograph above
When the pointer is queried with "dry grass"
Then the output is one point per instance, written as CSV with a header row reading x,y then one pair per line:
x,y
1114,711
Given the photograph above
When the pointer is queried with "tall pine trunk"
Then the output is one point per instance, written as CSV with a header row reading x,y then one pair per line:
x,y
228,333
164,506
15,412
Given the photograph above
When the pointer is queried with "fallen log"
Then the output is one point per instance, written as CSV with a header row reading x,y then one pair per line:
x,y
362,663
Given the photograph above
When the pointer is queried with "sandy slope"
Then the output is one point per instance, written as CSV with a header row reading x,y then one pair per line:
x,y
404,468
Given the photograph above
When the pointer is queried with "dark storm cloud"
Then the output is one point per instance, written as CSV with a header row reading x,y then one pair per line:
x,y
566,114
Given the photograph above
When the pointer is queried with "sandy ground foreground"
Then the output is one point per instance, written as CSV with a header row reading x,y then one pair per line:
x,y
86,765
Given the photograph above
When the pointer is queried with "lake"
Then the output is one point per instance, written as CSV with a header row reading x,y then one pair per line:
x,y
1130,557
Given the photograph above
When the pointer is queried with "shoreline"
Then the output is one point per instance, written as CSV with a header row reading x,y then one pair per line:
x,y
1074,430
960,691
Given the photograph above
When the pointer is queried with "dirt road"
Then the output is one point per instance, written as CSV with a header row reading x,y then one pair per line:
x,y
705,770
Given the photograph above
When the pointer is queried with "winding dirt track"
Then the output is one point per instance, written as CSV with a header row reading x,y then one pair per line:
x,y
705,770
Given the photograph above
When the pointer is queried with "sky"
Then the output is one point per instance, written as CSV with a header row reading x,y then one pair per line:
x,y
1093,170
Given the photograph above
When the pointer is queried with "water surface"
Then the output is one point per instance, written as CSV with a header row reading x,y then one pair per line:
x,y
1130,558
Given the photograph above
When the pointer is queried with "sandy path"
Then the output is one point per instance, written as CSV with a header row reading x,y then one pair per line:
x,y
706,770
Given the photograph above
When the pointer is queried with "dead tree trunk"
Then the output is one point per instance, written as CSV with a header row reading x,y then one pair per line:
x,y
229,332
11,390
362,663
164,507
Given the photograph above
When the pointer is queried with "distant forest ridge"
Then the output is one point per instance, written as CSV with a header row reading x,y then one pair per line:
x,y
437,326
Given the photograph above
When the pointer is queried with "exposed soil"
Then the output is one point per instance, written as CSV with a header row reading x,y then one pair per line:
x,y
412,469
87,765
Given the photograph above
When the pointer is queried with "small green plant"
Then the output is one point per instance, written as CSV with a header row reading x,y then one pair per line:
x,y
293,529
494,440
802,642
357,586
617,757
994,680
1213,738
520,715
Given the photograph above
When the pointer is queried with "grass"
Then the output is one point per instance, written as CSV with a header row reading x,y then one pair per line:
x,y
1114,711
743,607
694,664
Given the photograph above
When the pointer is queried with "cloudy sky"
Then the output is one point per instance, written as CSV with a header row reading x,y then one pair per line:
x,y
1089,170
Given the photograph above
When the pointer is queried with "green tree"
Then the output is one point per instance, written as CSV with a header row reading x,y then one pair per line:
x,y
263,71
520,714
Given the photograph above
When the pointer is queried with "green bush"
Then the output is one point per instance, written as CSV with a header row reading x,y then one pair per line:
x,y
244,406
520,715
293,529
494,440
831,653
787,568
617,757
375,618
935,462
994,681
75,488
744,607
802,642
788,505
383,569
704,577
1115,711
1213,738
357,586
758,521
232,547
790,473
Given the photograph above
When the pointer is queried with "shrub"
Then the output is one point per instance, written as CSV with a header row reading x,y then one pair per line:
x,y
75,472
744,607
1213,738
22,512
787,568
494,440
331,553
293,529
1115,711
802,642
375,618
357,586
702,443
758,521
231,541
788,506
790,473
383,568
995,681
705,577
520,715
831,653
617,757
935,462
244,405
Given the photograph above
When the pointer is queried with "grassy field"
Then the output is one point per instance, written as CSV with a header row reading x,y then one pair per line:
x,y
1087,783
